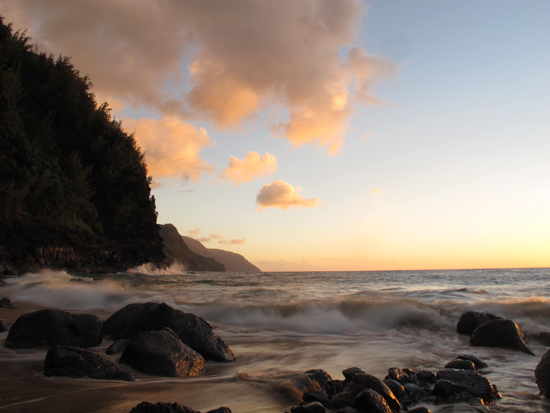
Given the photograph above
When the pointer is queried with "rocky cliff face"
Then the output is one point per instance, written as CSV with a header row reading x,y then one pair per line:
x,y
232,261
176,250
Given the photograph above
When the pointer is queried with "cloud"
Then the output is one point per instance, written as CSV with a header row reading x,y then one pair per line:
x,y
232,242
194,231
250,168
283,195
171,147
215,236
376,191
203,239
242,58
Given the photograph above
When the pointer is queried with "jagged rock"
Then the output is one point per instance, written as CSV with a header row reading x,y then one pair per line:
x,y
325,382
500,333
75,362
542,374
468,386
370,401
162,353
51,327
4,326
117,347
6,303
397,388
146,407
193,331
470,320
361,382
479,364
313,407
461,364
352,371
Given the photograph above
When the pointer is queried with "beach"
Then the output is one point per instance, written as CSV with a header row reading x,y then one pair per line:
x,y
280,325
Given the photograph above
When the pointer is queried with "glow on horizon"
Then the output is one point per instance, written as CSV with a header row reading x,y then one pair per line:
x,y
341,135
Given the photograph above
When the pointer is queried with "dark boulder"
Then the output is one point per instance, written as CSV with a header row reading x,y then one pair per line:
x,y
6,303
162,353
352,371
370,401
397,388
361,382
75,362
500,333
51,327
193,331
542,338
220,410
461,364
325,382
312,407
477,362
398,375
117,347
443,389
420,409
315,396
542,374
468,386
4,326
470,320
425,378
146,407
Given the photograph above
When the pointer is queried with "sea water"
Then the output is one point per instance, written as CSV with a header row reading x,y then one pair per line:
x,y
282,324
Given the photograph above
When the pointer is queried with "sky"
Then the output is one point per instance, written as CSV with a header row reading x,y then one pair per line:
x,y
329,135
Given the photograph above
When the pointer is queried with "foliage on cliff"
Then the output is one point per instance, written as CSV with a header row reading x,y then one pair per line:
x,y
66,165
176,250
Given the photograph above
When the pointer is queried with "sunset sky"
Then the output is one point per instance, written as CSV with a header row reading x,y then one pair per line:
x,y
329,134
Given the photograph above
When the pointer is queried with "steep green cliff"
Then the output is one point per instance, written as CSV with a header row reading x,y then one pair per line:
x,y
74,191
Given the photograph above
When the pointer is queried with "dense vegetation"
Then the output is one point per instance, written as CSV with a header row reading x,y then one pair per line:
x,y
70,177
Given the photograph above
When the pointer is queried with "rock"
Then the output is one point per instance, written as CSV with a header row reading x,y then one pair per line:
x,y
500,333
461,364
6,303
421,409
543,338
352,371
51,327
542,374
313,407
193,331
75,362
315,396
443,389
370,401
347,409
220,410
426,378
117,347
4,326
325,382
468,386
414,389
398,375
397,388
470,320
360,382
477,362
162,353
146,407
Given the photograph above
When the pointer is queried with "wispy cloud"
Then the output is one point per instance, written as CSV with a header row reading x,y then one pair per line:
x,y
194,232
283,195
253,166
232,241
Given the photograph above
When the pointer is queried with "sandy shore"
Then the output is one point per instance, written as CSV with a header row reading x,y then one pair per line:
x,y
24,388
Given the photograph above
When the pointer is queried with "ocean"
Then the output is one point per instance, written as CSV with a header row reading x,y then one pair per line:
x,y
281,324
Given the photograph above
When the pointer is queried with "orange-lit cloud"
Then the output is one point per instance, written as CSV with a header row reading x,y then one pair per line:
x,y
250,168
283,195
232,241
194,231
242,57
171,147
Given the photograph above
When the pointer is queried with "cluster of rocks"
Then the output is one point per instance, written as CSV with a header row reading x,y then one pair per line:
x,y
152,338
5,303
146,407
489,330
362,392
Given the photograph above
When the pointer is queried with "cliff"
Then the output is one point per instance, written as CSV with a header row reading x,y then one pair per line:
x,y
176,250
232,261
74,190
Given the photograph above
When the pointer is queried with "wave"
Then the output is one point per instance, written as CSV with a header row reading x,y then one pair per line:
x,y
151,269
